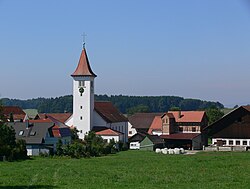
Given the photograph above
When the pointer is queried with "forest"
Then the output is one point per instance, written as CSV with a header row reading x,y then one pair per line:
x,y
126,104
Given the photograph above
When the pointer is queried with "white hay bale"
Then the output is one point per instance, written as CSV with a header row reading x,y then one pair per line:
x,y
176,151
182,150
158,150
170,151
164,151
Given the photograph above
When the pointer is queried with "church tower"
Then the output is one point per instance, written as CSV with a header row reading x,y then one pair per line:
x,y
83,95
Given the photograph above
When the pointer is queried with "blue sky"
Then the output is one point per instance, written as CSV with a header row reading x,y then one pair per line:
x,y
194,49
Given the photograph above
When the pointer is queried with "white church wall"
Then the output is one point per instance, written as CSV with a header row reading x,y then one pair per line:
x,y
99,121
121,127
69,121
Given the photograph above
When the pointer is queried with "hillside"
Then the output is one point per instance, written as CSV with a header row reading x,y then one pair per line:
x,y
126,104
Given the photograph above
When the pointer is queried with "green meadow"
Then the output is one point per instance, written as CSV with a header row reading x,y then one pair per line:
x,y
131,169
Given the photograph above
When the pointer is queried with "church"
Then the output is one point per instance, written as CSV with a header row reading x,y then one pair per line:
x,y
88,115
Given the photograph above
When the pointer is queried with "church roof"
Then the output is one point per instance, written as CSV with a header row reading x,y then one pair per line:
x,y
83,68
109,113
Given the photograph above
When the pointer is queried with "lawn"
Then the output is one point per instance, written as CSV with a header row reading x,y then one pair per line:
x,y
131,169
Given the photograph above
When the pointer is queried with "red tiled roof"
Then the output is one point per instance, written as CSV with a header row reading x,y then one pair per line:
x,y
16,111
109,113
142,120
247,107
188,116
156,125
108,132
180,136
13,109
47,120
56,131
62,117
83,68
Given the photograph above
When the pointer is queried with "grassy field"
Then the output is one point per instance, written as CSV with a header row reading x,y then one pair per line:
x,y
131,169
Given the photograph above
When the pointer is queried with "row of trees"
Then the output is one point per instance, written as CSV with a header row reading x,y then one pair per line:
x,y
126,104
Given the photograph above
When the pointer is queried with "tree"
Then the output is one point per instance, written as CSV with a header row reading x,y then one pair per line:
x,y
59,147
94,144
9,148
7,136
74,134
213,114
175,109
138,109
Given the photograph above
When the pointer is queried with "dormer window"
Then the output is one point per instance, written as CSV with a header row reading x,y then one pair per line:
x,y
21,133
32,133
81,84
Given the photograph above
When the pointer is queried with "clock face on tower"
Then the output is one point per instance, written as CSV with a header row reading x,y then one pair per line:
x,y
81,90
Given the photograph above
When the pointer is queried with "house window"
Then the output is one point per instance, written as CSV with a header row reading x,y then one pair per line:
x,y
231,142
224,142
193,129
237,142
81,84
80,107
180,129
32,133
130,132
81,118
244,142
21,133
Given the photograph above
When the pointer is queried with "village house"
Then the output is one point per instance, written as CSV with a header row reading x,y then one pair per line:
x,y
140,122
144,141
41,136
184,129
232,130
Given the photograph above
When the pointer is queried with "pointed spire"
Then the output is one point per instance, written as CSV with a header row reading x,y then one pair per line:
x,y
83,68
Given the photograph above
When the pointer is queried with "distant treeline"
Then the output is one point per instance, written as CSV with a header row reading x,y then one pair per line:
x,y
126,104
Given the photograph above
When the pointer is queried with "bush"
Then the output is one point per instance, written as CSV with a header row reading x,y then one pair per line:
x,y
92,146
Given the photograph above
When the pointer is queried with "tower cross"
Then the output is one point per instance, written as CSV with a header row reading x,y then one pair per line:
x,y
83,40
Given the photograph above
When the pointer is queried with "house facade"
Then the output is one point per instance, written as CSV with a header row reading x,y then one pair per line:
x,y
231,130
144,141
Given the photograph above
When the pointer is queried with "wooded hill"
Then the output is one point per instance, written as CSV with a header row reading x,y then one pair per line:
x,y
126,104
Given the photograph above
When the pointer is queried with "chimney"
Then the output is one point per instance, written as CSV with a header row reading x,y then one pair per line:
x,y
27,124
179,115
